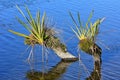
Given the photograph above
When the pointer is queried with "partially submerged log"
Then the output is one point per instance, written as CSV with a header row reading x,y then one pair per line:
x,y
65,56
56,45
60,49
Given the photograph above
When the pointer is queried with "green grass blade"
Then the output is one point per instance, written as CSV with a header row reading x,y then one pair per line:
x,y
76,33
33,24
24,24
19,34
38,21
79,19
32,21
78,30
89,18
43,25
43,21
21,12
75,23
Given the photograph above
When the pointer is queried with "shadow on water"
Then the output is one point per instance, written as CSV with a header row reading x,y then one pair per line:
x,y
93,49
53,74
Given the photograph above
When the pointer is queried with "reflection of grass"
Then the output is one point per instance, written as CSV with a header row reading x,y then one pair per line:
x,y
89,31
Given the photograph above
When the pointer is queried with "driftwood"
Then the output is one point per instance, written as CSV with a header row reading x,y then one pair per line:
x,y
65,56
56,45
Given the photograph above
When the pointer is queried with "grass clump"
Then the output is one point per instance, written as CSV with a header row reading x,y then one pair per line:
x,y
36,28
87,34
89,31
39,32
90,47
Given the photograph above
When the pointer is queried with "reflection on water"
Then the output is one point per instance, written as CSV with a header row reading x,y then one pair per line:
x,y
57,71
52,74
96,73
93,49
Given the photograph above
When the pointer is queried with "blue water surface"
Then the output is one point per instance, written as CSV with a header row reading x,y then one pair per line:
x,y
13,65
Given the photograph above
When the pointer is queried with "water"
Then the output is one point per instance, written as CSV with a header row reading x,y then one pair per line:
x,y
12,57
